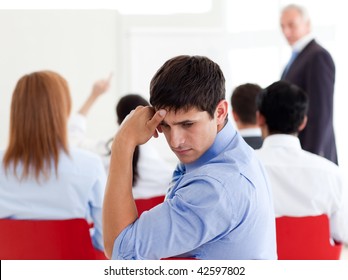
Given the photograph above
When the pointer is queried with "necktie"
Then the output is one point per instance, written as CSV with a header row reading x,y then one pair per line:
x,y
292,58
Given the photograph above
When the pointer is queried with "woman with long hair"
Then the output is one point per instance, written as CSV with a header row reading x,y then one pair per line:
x,y
41,177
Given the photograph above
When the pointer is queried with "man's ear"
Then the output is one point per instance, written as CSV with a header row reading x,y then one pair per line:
x,y
221,112
303,124
235,116
260,119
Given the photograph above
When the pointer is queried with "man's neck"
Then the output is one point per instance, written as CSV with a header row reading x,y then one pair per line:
x,y
302,43
245,125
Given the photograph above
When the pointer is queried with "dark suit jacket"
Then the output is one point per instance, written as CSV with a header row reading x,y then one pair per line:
x,y
254,141
314,71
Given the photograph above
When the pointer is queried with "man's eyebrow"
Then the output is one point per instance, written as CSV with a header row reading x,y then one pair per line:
x,y
178,123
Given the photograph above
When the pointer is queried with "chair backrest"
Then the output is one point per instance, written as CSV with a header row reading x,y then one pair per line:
x,y
305,238
145,204
46,240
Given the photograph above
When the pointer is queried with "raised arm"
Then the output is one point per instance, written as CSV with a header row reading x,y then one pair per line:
x,y
98,89
119,209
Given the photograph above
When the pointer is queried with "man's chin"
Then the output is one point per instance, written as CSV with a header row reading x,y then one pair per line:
x,y
185,159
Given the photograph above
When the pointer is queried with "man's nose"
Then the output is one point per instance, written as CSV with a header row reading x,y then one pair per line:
x,y
176,138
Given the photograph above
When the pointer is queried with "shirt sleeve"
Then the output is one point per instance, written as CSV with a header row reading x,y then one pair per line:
x,y
197,214
77,127
95,205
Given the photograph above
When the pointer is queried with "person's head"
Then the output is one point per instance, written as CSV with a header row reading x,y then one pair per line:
x,y
128,103
243,101
282,109
192,91
40,109
124,106
295,23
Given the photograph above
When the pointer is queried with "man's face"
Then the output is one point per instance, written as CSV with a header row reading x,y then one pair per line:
x,y
294,27
189,133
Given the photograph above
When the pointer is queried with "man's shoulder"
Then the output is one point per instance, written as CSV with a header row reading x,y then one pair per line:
x,y
316,49
319,161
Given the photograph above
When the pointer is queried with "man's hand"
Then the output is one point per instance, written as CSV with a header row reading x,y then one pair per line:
x,y
140,125
101,86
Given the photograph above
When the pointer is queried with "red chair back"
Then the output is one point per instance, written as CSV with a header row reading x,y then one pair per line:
x,y
145,204
305,238
46,240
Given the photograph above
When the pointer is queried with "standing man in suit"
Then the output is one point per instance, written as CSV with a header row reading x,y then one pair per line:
x,y
243,101
311,67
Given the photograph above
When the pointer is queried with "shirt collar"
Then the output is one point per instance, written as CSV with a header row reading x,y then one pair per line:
x,y
281,140
250,132
302,43
222,139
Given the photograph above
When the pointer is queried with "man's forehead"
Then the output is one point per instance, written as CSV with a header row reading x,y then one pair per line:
x,y
182,115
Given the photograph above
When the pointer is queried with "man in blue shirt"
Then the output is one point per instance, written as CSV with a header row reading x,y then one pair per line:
x,y
221,206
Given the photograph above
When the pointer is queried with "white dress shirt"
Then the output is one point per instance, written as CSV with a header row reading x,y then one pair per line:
x,y
305,184
302,43
250,132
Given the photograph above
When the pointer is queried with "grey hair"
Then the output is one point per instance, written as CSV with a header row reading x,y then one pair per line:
x,y
302,10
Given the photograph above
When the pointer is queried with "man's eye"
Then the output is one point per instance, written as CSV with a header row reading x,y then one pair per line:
x,y
187,124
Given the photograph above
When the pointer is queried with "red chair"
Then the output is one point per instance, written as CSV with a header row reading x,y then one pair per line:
x,y
305,238
46,240
145,204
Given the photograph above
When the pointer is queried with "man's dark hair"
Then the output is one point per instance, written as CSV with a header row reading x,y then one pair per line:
x,y
186,82
243,101
284,107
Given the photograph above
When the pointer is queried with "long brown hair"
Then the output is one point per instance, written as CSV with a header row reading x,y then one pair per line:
x,y
40,108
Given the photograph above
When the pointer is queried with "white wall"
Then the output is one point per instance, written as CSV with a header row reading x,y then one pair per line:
x,y
80,45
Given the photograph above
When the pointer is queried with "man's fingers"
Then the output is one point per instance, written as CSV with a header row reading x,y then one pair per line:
x,y
156,119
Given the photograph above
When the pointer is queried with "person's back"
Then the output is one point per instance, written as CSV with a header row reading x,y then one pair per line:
x,y
243,101
49,180
303,184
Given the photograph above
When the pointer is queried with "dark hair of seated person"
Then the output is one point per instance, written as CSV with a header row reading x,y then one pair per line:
x,y
124,106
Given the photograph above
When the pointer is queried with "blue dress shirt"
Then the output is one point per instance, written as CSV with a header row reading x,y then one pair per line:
x,y
77,192
221,208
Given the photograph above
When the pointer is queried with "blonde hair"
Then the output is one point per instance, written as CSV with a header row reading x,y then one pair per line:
x,y
40,109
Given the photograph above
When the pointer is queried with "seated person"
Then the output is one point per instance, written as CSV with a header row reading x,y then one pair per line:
x,y
220,204
304,184
41,178
243,101
151,173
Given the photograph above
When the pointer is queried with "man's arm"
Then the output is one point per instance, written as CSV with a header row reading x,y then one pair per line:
x,y
119,209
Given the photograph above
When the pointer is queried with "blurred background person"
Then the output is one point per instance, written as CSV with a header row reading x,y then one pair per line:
x,y
243,101
41,177
311,68
303,183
